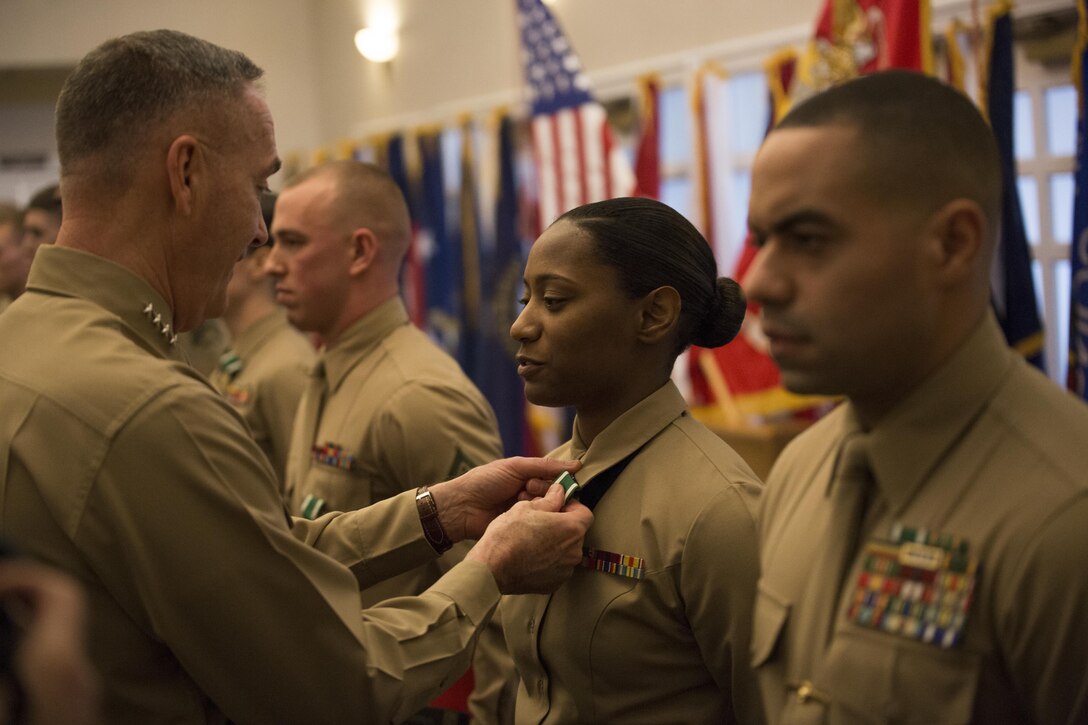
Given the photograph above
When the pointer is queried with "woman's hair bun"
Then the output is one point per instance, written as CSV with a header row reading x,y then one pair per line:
x,y
724,315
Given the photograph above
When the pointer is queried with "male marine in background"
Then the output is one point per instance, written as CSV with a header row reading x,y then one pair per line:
x,y
387,408
265,371
41,218
13,263
924,548
127,470
20,236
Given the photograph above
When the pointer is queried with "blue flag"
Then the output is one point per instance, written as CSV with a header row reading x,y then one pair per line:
x,y
440,255
469,226
398,168
1078,317
412,273
1012,284
500,278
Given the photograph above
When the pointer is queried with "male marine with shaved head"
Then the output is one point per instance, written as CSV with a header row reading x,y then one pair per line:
x,y
923,548
386,408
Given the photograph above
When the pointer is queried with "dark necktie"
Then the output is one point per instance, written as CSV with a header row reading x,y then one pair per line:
x,y
851,497
310,407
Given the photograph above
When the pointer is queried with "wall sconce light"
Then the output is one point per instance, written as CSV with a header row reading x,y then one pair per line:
x,y
378,45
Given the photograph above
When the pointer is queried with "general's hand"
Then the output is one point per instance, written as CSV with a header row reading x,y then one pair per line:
x,y
534,547
468,503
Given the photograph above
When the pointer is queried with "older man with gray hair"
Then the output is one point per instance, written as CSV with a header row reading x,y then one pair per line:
x,y
126,469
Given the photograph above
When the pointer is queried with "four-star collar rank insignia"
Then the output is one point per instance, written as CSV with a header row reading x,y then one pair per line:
x,y
917,584
164,328
332,454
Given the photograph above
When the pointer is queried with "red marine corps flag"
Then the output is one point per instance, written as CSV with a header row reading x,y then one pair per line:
x,y
855,37
576,160
647,157
851,38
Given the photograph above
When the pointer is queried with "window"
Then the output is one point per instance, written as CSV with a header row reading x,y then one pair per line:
x,y
1045,127
737,111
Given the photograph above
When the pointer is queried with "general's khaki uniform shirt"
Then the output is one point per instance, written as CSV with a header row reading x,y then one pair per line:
x,y
4,302
671,646
987,461
123,467
398,413
263,376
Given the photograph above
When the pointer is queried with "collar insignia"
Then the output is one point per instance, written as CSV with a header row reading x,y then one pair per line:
x,y
164,329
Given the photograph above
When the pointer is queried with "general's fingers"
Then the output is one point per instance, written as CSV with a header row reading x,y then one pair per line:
x,y
527,469
581,513
552,500
535,488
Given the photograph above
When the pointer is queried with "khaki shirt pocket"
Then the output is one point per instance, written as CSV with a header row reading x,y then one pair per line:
x,y
328,488
876,677
619,605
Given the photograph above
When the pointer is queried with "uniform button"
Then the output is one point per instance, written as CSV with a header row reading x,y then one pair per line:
x,y
807,692
541,686
532,624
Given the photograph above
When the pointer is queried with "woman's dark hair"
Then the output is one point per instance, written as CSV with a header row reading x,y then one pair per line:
x,y
652,245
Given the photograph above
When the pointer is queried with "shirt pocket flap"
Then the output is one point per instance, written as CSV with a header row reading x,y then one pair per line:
x,y
771,613
905,681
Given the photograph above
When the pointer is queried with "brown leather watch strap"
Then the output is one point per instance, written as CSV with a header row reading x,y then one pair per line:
x,y
428,517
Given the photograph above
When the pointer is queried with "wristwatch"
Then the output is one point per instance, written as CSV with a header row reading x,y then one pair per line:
x,y
428,517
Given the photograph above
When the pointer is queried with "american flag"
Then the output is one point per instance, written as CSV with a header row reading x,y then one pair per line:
x,y
576,159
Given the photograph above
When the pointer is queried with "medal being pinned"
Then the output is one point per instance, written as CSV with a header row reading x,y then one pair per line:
x,y
570,486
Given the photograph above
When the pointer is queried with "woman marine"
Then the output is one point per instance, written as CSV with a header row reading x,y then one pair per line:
x,y
654,626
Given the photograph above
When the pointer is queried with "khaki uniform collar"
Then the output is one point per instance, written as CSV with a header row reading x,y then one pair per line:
x,y
847,425
912,440
253,337
75,273
360,338
627,433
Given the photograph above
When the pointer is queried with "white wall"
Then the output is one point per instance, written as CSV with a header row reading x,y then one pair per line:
x,y
460,55
277,34
456,55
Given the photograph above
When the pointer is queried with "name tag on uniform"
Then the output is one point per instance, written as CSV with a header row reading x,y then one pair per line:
x,y
332,454
916,584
